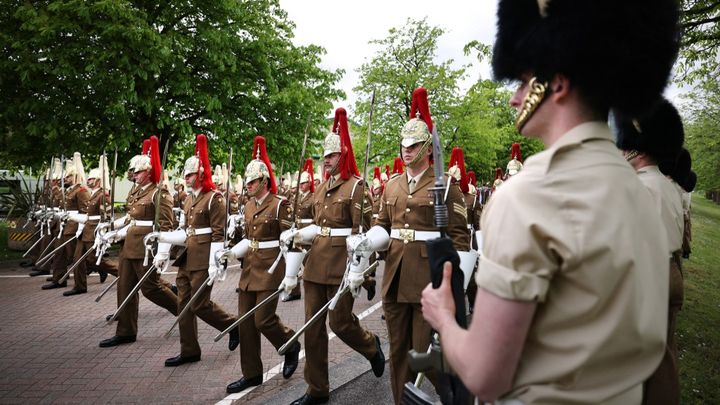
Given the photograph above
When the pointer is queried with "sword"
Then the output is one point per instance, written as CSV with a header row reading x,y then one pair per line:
x,y
49,255
105,291
365,163
77,263
113,173
34,244
187,307
132,293
49,245
346,289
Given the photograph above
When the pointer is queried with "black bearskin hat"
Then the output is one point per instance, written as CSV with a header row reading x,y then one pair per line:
x,y
691,182
658,132
618,53
678,169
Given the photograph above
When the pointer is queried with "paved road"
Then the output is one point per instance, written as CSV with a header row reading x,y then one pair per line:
x,y
49,351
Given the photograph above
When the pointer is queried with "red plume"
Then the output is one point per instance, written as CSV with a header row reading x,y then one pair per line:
x,y
259,145
376,175
309,169
347,164
420,105
457,158
398,165
387,170
473,179
156,170
498,173
515,152
146,146
201,151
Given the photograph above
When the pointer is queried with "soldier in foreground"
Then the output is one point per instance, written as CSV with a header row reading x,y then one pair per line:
x,y
571,311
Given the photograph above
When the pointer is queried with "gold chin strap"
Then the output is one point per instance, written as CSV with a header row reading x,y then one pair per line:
x,y
421,152
631,155
259,187
533,98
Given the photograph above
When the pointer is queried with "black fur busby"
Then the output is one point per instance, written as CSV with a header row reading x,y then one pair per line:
x,y
679,168
690,182
657,132
618,53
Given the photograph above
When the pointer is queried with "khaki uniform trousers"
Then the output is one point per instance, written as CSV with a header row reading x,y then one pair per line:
x,y
63,257
407,329
80,272
47,239
130,272
188,282
264,321
345,325
663,386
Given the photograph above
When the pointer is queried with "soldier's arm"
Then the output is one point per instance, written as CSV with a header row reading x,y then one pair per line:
x,y
217,217
457,213
166,215
383,218
82,198
355,209
285,215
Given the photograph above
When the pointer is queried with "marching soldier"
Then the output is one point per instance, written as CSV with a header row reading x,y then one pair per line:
x,y
336,215
378,186
571,310
132,228
53,203
515,164
406,221
266,216
96,207
498,179
203,236
647,140
75,201
180,194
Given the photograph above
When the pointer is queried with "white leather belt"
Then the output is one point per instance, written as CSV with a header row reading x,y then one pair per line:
x,y
469,226
71,211
135,222
305,221
255,245
190,231
93,217
325,231
376,215
410,235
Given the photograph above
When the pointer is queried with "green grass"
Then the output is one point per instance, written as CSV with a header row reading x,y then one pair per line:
x,y
699,321
5,253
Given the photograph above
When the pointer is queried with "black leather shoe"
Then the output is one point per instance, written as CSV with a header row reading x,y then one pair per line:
x,y
49,278
107,318
291,361
26,263
54,285
103,275
243,383
378,361
234,340
117,340
173,288
291,297
37,272
371,292
179,360
74,292
308,399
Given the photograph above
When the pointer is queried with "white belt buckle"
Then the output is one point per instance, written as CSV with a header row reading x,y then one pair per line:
x,y
406,235
324,231
190,231
254,244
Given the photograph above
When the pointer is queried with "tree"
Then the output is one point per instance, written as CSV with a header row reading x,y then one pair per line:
x,y
88,75
701,134
405,61
700,40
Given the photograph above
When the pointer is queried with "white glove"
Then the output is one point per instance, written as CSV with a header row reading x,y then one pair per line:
x,y
288,283
176,237
233,223
79,218
119,222
307,235
115,236
360,262
214,272
162,257
287,236
467,265
101,226
79,232
181,221
240,250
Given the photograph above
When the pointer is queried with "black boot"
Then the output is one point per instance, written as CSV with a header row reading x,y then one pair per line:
x,y
74,291
234,339
291,361
308,399
378,361
243,383
180,360
103,275
117,340
54,285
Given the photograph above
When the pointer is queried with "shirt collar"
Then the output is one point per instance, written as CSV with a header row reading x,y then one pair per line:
x,y
417,178
259,201
590,130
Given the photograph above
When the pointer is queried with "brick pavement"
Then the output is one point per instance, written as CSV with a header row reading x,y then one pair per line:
x,y
49,348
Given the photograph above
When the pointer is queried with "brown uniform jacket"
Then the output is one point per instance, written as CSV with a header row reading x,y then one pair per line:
x,y
93,207
262,224
179,199
401,209
205,211
474,210
76,197
141,207
304,209
335,207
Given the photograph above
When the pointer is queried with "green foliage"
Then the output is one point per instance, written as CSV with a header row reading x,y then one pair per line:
x,y
701,134
88,75
698,335
5,252
19,201
700,41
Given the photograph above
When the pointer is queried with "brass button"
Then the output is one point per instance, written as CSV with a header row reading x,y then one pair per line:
x,y
405,241
254,227
324,220
407,209
327,195
409,196
407,225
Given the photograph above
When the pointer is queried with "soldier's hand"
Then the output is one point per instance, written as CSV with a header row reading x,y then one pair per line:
x,y
287,236
357,243
438,306
288,284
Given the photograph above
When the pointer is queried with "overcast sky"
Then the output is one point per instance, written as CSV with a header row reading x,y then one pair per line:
x,y
344,29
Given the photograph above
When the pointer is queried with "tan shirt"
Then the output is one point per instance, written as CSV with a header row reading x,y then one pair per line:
x,y
207,210
667,202
76,197
141,207
570,232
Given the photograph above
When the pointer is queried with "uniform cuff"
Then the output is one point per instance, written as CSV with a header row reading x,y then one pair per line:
x,y
511,284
